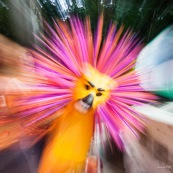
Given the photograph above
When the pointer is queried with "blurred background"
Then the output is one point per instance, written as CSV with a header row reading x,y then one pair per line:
x,y
19,19
152,20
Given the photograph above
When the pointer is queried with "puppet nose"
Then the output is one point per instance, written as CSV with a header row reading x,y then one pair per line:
x,y
88,99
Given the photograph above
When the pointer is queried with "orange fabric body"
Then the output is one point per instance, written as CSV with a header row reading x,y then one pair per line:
x,y
69,142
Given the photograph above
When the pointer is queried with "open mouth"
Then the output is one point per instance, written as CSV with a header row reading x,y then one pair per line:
x,y
81,106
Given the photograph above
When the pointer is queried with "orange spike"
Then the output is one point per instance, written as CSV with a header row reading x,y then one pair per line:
x,y
89,39
99,37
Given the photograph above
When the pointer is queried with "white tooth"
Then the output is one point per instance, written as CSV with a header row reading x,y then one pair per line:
x,y
80,101
84,110
81,109
77,106
86,106
81,106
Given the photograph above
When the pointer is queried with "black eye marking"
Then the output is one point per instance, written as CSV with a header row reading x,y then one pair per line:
x,y
100,89
87,87
98,94
91,84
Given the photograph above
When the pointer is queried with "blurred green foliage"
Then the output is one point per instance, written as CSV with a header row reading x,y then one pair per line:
x,y
5,27
146,17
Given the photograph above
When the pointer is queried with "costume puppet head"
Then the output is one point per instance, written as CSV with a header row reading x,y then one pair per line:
x,y
94,74
92,89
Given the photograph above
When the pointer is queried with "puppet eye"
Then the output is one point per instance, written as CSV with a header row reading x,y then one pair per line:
x,y
98,94
87,87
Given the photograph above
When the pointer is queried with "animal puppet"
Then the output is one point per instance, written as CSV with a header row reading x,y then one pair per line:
x,y
79,80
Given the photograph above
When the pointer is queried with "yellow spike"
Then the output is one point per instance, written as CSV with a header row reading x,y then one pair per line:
x,y
69,142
